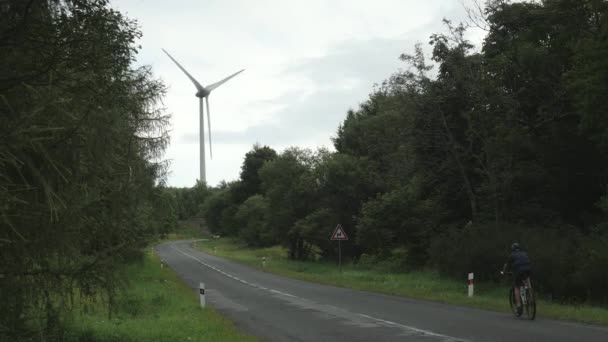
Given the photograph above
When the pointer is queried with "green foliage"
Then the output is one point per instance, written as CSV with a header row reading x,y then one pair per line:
x,y
250,179
398,219
289,189
190,200
81,139
165,213
446,169
344,183
252,221
587,79
482,249
311,233
384,275
218,208
572,272
592,272
157,306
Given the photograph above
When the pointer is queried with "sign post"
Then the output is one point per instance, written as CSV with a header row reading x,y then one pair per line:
x,y
340,255
340,236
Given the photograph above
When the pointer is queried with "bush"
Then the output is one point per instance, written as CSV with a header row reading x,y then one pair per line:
x,y
252,222
567,265
481,249
394,261
593,269
397,219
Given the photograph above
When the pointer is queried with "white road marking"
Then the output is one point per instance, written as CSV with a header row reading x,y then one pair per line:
x,y
421,331
444,338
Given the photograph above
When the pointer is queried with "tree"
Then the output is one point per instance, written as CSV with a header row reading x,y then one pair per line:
x,y
81,135
440,169
190,200
252,220
290,190
250,179
165,211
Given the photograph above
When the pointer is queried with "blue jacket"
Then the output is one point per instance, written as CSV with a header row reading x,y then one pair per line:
x,y
519,261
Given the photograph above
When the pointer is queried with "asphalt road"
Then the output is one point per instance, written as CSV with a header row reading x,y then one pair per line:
x,y
276,308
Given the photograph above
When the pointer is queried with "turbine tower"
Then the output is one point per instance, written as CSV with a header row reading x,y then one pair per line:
x,y
203,93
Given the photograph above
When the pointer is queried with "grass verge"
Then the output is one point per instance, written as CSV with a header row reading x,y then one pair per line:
x,y
156,306
421,285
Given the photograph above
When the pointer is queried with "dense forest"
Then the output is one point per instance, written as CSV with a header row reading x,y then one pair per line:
x,y
451,159
80,131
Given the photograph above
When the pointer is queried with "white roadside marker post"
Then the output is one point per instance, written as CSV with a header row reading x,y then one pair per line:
x,y
471,284
263,262
201,291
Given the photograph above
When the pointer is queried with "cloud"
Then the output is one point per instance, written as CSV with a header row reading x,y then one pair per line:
x,y
335,82
306,64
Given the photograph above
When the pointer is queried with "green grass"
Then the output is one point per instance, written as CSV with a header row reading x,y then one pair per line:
x,y
421,285
156,306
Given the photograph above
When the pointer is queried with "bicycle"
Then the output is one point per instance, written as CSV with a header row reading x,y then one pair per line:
x,y
527,298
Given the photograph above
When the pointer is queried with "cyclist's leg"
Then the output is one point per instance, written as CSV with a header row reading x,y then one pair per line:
x,y
516,284
528,282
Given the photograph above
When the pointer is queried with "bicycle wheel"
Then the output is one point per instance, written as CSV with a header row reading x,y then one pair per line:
x,y
530,304
513,303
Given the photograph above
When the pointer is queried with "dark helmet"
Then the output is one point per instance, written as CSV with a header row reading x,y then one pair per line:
x,y
515,247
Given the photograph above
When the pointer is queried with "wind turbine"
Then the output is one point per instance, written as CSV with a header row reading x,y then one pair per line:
x,y
203,93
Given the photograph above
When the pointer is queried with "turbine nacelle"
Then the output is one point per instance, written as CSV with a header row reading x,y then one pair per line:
x,y
202,93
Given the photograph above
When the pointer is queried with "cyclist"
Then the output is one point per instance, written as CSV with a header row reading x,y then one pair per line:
x,y
519,263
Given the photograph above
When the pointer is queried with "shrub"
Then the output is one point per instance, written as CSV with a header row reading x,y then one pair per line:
x,y
567,265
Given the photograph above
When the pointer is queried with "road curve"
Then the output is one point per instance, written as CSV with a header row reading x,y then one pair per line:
x,y
276,308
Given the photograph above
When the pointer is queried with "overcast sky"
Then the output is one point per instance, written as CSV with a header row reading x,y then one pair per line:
x,y
307,63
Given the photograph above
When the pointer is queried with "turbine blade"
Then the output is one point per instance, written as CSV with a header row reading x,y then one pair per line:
x,y
198,86
209,125
219,83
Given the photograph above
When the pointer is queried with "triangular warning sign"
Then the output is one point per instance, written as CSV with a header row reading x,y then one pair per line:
x,y
339,234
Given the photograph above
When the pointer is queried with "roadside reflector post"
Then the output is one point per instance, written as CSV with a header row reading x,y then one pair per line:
x,y
201,291
471,284
162,263
263,262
